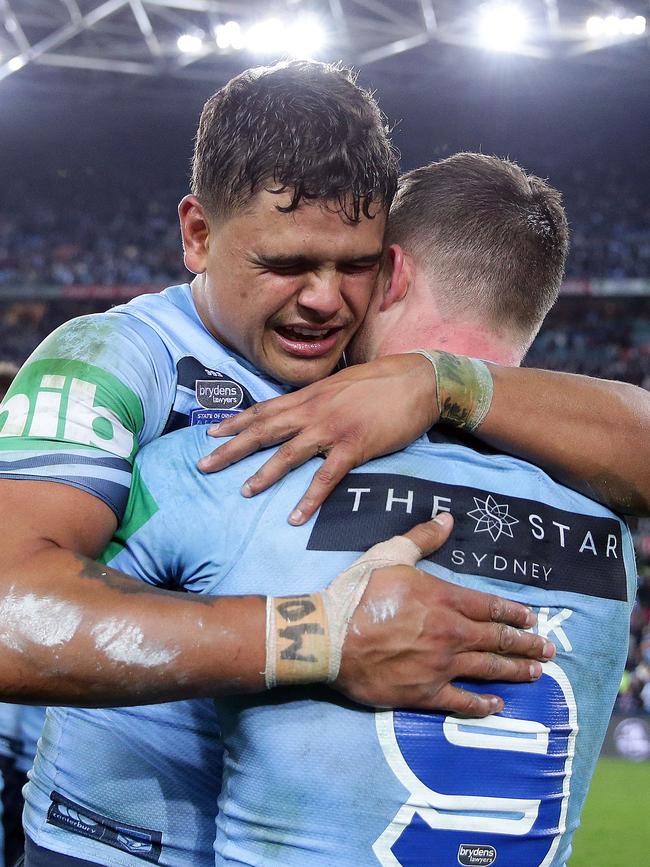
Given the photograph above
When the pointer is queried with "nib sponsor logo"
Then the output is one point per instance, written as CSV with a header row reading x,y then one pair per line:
x,y
474,854
65,407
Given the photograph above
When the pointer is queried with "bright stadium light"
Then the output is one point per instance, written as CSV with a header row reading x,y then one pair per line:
x,y
266,37
595,25
229,35
301,39
305,38
638,25
189,43
614,25
16,63
503,27
627,26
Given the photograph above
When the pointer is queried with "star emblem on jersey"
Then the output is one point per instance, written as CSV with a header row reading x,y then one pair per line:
x,y
492,518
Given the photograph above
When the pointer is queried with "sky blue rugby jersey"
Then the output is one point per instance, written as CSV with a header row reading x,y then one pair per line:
x,y
310,778
31,719
88,398
101,386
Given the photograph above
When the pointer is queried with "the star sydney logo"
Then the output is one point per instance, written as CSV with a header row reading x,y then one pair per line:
x,y
492,518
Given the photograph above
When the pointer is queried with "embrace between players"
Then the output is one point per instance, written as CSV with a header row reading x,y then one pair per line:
x,y
507,644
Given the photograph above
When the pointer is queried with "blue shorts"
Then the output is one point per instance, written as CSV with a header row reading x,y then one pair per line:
x,y
13,840
36,856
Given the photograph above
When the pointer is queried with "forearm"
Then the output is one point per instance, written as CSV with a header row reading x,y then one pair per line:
x,y
591,434
73,632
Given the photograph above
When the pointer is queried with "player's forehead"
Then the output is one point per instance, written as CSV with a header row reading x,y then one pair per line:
x,y
317,229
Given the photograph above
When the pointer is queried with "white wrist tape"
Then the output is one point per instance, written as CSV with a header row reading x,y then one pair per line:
x,y
305,634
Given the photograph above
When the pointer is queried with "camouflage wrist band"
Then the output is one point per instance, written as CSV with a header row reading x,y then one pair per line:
x,y
464,388
297,640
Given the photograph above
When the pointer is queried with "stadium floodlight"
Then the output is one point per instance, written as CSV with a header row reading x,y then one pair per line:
x,y
595,25
503,26
266,37
16,63
614,25
302,39
638,25
189,43
627,26
305,38
229,35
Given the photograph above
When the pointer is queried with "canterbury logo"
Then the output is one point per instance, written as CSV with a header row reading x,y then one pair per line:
x,y
64,408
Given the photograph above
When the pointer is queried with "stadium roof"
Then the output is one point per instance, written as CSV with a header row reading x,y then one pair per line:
x,y
141,37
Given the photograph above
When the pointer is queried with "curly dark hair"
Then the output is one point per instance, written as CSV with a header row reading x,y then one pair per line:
x,y
300,126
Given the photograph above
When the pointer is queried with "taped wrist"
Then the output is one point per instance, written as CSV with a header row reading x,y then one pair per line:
x,y
305,634
297,640
464,388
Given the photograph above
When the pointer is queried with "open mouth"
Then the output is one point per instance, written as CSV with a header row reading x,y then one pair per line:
x,y
307,342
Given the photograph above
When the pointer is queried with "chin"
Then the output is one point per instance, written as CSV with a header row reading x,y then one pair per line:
x,y
304,374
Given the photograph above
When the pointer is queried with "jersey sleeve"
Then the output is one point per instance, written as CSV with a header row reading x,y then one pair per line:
x,y
82,404
182,529
165,511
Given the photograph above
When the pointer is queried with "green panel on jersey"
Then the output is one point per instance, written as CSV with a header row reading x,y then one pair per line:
x,y
55,401
140,507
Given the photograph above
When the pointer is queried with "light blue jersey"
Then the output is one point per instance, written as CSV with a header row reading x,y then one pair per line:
x,y
31,719
310,779
131,785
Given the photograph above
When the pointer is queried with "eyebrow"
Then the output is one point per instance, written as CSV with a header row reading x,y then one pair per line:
x,y
280,261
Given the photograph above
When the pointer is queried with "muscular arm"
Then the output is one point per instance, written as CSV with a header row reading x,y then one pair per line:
x,y
591,434
75,632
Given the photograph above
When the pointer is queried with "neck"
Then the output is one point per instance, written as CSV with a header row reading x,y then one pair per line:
x,y
458,338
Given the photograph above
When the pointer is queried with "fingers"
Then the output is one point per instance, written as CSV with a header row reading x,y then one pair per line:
x,y
336,466
431,535
487,607
409,549
501,638
418,542
492,666
257,413
254,434
453,699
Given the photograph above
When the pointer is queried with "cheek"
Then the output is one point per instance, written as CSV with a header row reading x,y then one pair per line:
x,y
358,293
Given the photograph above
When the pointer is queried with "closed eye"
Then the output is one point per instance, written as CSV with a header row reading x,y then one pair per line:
x,y
358,268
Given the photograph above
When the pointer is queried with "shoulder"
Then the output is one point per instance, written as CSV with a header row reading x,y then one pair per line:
x,y
177,450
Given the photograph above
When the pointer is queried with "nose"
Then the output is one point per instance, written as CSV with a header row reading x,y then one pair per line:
x,y
321,295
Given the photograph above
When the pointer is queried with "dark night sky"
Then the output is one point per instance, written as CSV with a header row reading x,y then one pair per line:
x,y
535,112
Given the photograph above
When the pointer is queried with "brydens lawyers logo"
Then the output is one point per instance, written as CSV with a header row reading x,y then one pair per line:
x,y
219,394
492,518
474,854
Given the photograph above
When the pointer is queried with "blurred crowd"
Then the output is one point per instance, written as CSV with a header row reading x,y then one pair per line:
x,y
634,694
609,213
606,337
80,229
89,234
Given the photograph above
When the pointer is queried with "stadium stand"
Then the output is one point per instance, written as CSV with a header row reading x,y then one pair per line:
x,y
130,237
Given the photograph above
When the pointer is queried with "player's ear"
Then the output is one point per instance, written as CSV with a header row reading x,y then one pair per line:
x,y
398,277
195,230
